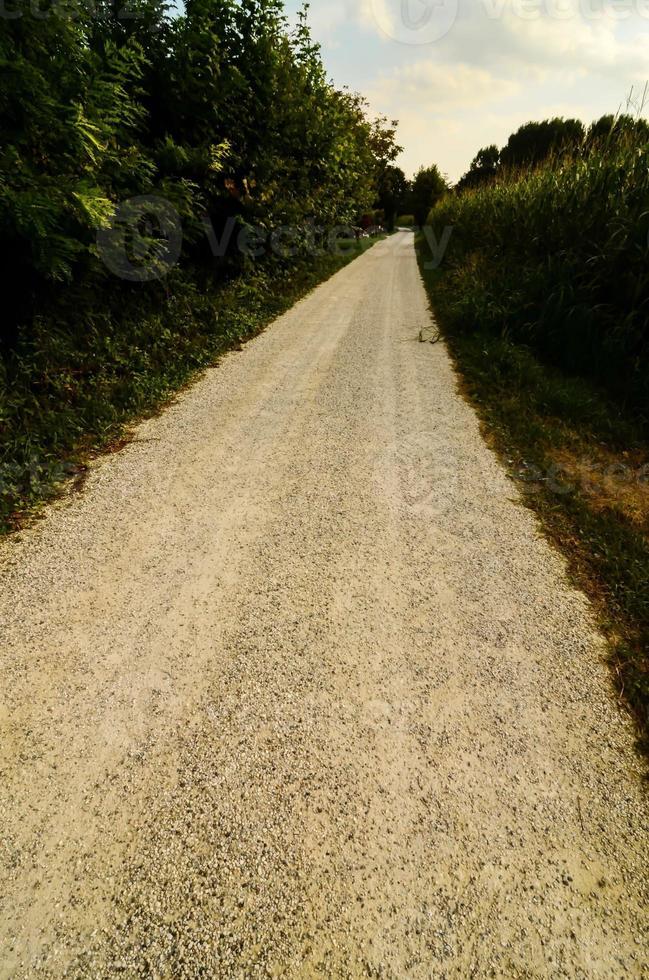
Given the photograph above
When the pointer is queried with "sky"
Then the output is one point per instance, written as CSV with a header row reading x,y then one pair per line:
x,y
462,74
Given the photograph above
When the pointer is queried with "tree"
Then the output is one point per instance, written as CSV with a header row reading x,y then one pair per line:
x,y
428,187
393,189
536,141
486,159
615,129
69,121
483,169
222,111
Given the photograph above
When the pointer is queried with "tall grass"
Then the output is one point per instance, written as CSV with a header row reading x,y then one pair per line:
x,y
543,297
558,259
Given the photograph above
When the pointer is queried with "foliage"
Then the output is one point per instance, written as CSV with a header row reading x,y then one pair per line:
x,y
393,189
616,129
483,169
428,186
487,158
537,141
223,113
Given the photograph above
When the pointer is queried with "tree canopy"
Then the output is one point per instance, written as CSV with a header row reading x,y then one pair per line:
x,y
534,143
428,185
222,111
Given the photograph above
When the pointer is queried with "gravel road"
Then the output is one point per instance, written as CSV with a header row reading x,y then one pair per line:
x,y
295,687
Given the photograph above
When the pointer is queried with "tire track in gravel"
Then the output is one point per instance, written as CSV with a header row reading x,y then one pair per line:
x,y
296,688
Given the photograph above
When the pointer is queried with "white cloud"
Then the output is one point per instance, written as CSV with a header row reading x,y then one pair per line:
x,y
501,63
437,105
605,36
498,32
329,16
428,86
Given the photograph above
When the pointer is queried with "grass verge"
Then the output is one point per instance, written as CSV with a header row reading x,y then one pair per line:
x,y
582,464
72,391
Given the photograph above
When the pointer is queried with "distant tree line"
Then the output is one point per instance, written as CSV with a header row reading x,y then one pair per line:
x,y
536,142
531,146
400,196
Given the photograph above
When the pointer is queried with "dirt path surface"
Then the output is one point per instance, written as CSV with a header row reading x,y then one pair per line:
x,y
296,688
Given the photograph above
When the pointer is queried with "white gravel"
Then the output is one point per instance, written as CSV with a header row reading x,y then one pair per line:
x,y
295,687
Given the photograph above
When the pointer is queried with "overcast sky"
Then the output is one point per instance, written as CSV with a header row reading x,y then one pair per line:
x,y
461,74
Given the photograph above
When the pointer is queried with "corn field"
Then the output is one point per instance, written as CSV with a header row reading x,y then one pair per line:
x,y
558,259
